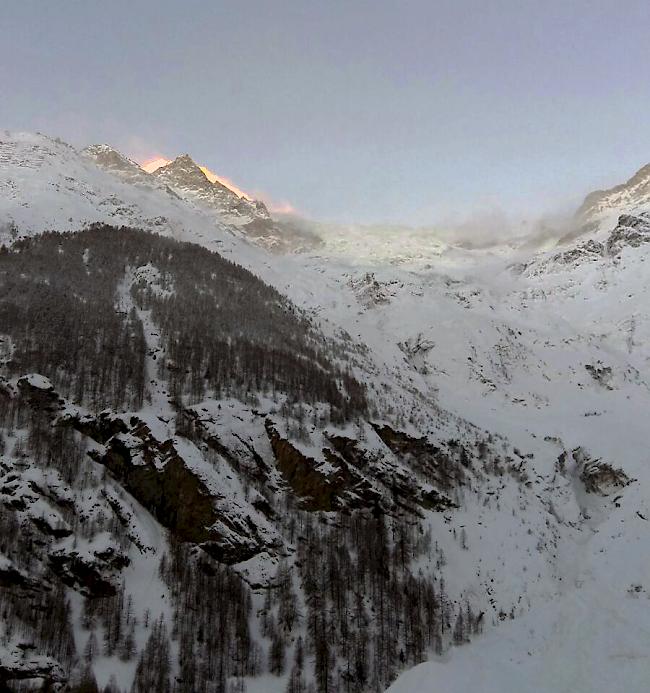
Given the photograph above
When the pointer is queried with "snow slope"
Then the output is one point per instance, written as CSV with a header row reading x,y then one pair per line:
x,y
554,356
601,208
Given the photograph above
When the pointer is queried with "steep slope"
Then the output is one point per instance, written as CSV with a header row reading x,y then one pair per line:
x,y
601,208
250,217
121,166
47,185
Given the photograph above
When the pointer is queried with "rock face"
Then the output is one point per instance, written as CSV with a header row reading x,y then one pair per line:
x,y
631,231
317,490
40,394
63,189
590,250
19,665
601,208
399,489
183,179
328,485
348,475
44,501
187,180
598,477
175,481
179,497
121,166
435,464
369,291
600,373
92,574
602,478
13,578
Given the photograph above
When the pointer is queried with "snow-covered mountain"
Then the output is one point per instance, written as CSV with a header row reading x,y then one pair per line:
x,y
440,461
206,194
185,177
48,185
601,208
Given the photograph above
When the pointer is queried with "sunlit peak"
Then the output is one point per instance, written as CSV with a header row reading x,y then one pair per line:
x,y
154,163
214,178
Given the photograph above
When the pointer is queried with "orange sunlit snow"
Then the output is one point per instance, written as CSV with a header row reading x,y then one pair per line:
x,y
213,177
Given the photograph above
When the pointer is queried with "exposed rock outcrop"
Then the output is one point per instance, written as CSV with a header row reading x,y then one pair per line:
x,y
91,574
317,490
14,578
19,664
631,231
39,392
156,475
597,477
438,466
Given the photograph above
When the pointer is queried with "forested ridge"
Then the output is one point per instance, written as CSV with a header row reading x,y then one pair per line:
x,y
225,331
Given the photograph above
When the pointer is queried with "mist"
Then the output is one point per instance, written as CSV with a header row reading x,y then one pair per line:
x,y
481,230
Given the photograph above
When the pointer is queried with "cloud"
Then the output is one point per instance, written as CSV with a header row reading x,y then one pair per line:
x,y
489,229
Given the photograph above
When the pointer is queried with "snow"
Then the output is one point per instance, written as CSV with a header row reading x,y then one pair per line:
x,y
46,184
38,382
508,352
259,570
587,640
462,342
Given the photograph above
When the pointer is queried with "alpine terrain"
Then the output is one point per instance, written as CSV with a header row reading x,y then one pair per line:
x,y
247,453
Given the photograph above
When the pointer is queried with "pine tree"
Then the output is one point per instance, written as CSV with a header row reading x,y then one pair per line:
x,y
276,654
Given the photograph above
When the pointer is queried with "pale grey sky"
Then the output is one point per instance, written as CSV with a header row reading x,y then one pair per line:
x,y
377,111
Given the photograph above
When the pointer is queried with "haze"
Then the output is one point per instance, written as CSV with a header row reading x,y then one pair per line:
x,y
351,111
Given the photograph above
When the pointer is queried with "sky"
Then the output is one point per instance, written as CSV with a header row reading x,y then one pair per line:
x,y
411,111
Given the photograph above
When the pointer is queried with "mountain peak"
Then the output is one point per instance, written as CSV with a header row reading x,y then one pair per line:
x,y
196,183
108,157
631,197
113,161
184,161
184,171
